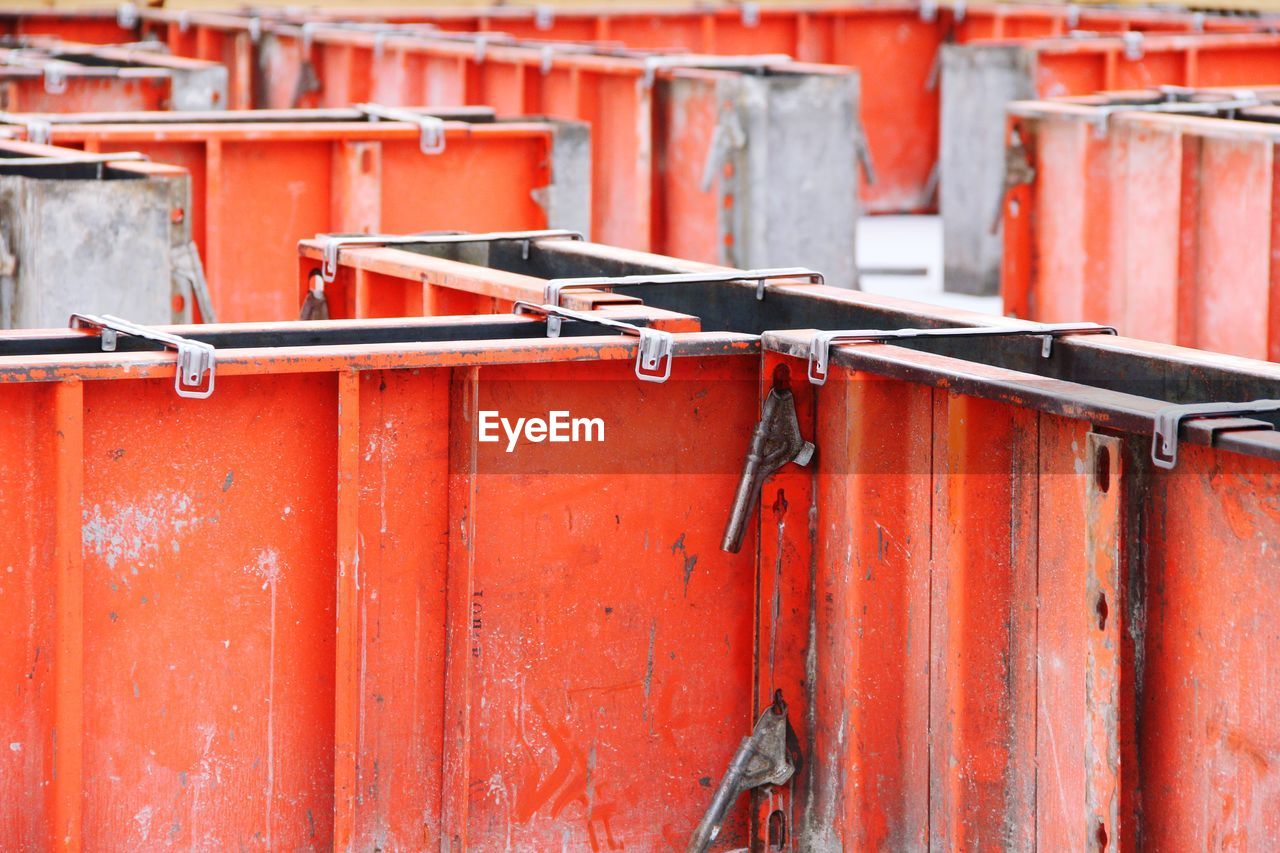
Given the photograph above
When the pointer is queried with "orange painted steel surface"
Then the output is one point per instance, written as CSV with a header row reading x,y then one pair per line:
x,y
362,635
46,74
1059,67
892,45
970,601
95,26
1161,224
667,173
1016,644
260,186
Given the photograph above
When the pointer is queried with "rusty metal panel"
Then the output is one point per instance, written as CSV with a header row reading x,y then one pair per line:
x,y
62,217
263,182
1156,222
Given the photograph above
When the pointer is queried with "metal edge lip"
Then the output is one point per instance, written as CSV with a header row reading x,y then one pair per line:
x,y
1105,408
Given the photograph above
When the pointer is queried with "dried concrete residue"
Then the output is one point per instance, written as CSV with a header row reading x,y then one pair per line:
x,y
136,532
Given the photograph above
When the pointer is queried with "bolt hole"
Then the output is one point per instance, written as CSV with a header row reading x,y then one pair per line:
x,y
1101,609
1101,836
777,830
1102,470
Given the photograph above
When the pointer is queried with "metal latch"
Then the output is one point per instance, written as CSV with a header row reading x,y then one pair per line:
x,y
775,441
653,355
770,756
1164,440
820,345
431,138
333,243
195,358
556,286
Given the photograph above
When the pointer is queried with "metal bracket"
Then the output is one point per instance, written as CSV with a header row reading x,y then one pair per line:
x,y
1164,439
334,243
750,14
557,286
929,11
1132,45
195,358
126,16
653,356
184,20
544,17
431,140
308,31
770,756
255,30
653,64
820,345
39,130
55,81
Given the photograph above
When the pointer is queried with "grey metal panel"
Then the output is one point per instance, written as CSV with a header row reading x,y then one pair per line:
x,y
977,82
91,246
797,201
567,199
199,89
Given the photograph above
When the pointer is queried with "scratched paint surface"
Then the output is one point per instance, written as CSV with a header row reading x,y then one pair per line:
x,y
208,620
601,664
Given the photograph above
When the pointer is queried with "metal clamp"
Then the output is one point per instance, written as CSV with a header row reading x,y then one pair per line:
x,y
1132,45
55,81
255,29
653,356
652,64
431,140
820,345
39,130
556,286
184,20
195,358
126,16
1164,440
750,13
308,34
929,11
334,243
544,17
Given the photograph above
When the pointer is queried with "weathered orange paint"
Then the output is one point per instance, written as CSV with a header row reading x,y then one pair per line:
x,y
1159,224
893,45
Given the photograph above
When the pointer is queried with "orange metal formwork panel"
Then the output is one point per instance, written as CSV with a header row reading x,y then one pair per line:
x,y
959,672
262,182
330,643
746,167
46,74
95,26
1000,657
986,76
1154,219
976,673
893,46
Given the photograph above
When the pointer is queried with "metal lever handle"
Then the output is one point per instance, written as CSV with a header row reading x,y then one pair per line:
x,y
653,355
820,345
557,286
1164,439
775,442
762,759
195,358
